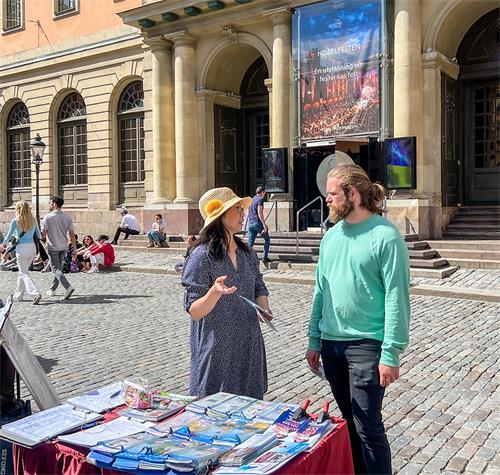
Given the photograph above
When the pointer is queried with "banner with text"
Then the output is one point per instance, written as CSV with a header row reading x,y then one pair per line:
x,y
337,50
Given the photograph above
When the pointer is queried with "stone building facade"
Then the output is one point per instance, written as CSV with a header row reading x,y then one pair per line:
x,y
147,104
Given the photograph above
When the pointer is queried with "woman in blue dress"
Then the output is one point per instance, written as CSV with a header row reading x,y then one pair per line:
x,y
227,346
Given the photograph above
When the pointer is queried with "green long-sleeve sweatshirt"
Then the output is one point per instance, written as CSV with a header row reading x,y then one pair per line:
x,y
362,287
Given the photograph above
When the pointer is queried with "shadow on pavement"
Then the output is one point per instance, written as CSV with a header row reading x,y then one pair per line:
x,y
93,299
47,363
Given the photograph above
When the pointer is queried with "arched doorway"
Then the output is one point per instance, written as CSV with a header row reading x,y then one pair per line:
x,y
478,107
241,134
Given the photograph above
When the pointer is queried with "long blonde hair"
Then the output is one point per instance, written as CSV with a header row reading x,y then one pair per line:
x,y
371,194
24,217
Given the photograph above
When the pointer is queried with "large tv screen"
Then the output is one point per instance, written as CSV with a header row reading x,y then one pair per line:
x,y
275,169
399,158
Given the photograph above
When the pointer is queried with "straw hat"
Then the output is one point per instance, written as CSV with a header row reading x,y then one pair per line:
x,y
215,202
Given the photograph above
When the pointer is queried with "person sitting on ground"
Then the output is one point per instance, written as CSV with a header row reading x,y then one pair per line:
x,y
158,232
70,256
103,254
83,254
129,225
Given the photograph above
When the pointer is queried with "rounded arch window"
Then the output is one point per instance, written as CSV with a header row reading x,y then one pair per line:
x,y
130,116
72,140
18,151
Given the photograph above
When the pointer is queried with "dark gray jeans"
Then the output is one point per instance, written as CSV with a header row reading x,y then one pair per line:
x,y
56,262
351,368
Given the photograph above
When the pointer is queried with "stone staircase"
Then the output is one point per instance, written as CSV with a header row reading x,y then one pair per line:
x,y
471,254
474,223
424,261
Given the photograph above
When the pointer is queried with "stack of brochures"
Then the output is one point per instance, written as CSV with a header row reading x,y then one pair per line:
x,y
268,462
45,425
239,406
249,450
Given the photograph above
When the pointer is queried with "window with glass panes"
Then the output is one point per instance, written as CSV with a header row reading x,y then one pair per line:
x,y
18,148
13,14
63,6
487,126
72,141
131,134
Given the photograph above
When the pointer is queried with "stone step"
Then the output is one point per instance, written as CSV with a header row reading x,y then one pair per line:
x,y
493,245
417,245
474,226
422,253
435,263
474,263
473,220
473,209
471,234
470,254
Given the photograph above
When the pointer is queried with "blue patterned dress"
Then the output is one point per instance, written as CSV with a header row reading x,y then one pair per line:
x,y
227,346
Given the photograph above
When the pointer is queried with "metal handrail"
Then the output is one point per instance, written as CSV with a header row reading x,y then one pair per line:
x,y
245,224
275,214
297,220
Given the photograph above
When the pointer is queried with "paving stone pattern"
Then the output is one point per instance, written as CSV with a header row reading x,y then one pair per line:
x,y
442,415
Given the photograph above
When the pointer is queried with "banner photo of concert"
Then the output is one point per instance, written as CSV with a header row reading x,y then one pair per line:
x,y
337,46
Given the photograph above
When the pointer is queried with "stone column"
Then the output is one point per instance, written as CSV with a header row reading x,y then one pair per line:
x,y
281,78
163,121
408,102
186,131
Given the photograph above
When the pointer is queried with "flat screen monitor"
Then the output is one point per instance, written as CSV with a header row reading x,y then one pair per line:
x,y
275,169
400,158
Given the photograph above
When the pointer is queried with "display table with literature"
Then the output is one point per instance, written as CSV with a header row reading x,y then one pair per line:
x,y
331,455
223,434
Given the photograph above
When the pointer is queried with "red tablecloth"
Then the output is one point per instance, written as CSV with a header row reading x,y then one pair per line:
x,y
331,456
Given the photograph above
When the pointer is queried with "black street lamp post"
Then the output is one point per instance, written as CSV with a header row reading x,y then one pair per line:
x,y
37,148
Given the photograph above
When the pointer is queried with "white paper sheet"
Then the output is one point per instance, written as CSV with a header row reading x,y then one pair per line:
x,y
115,429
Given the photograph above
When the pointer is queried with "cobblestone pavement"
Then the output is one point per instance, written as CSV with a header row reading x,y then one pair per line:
x,y
442,415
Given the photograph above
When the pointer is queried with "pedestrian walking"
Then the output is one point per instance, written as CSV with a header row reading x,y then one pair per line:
x,y
129,225
25,228
227,346
58,230
360,314
257,223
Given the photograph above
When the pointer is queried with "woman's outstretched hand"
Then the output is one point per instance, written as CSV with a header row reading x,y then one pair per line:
x,y
220,287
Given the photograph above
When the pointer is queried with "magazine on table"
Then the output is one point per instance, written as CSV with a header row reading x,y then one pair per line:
x,y
269,461
304,431
113,446
158,453
217,430
249,450
100,400
115,429
234,405
265,410
201,405
152,415
44,425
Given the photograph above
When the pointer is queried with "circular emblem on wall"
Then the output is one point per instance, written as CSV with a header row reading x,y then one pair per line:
x,y
327,164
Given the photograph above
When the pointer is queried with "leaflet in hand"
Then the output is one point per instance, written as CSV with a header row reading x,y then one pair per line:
x,y
263,315
100,400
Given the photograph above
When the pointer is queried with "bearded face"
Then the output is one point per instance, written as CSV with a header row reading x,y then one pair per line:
x,y
339,203
340,211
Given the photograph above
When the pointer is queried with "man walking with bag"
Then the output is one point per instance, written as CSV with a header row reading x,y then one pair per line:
x,y
257,223
56,227
360,314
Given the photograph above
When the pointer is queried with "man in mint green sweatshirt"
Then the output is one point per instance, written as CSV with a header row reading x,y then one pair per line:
x,y
360,314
